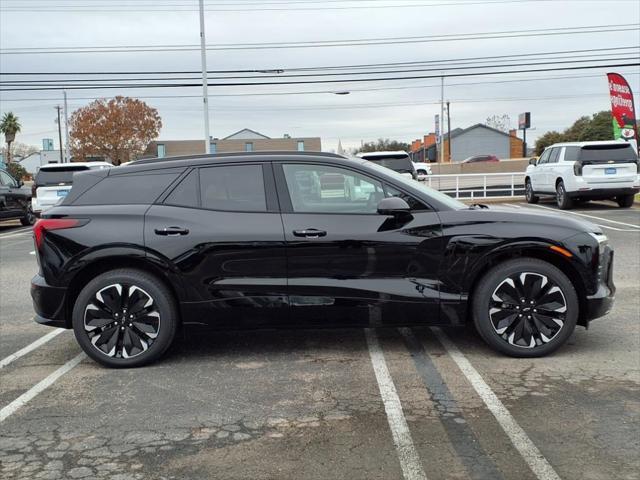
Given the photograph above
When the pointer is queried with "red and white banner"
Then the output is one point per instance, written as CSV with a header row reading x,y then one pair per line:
x,y
622,109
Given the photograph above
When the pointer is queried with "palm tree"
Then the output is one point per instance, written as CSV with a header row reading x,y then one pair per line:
x,y
9,126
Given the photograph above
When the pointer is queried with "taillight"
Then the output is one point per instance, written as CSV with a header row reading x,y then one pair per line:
x,y
34,191
48,224
577,168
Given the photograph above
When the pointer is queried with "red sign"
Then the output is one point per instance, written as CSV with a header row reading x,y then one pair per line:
x,y
622,109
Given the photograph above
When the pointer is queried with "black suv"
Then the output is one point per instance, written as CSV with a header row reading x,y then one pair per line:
x,y
15,201
294,239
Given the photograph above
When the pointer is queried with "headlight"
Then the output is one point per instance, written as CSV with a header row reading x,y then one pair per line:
x,y
601,238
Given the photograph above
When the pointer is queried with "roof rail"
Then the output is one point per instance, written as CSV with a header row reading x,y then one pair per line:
x,y
145,161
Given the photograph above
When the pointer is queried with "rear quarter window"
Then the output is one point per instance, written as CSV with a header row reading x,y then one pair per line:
x,y
128,189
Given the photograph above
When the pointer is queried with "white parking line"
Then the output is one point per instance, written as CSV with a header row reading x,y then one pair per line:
x,y
31,347
527,449
407,454
590,216
21,233
39,387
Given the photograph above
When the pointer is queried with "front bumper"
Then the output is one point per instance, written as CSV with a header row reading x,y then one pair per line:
x,y
601,303
48,303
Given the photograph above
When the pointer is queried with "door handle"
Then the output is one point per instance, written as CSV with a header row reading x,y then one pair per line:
x,y
171,231
310,233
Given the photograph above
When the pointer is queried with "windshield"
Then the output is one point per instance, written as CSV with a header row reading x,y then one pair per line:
x,y
428,191
399,162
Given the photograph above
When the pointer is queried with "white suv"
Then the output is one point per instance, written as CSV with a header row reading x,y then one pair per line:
x,y
53,182
584,171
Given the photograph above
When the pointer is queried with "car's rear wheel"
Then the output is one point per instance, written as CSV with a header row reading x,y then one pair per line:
x,y
528,192
29,217
563,200
125,318
525,308
625,201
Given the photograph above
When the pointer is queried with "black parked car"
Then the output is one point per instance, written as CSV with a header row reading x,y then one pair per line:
x,y
302,239
15,201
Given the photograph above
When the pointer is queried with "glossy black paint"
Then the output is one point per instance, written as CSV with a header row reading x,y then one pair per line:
x,y
281,268
15,199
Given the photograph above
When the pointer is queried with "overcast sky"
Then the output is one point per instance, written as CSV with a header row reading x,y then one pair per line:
x,y
402,114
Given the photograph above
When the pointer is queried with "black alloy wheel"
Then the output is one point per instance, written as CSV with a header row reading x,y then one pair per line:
x,y
528,192
525,308
124,318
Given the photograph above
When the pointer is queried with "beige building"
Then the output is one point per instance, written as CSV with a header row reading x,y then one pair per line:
x,y
245,140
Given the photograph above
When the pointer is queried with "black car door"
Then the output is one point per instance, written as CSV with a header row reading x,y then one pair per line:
x,y
10,196
220,229
346,263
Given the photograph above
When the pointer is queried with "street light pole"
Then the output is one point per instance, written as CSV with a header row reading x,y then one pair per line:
x,y
205,89
442,119
58,108
66,128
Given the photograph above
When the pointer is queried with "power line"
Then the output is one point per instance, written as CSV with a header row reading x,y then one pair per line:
x,y
326,67
109,8
59,82
328,43
308,82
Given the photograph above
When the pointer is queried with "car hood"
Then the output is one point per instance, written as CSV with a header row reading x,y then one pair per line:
x,y
527,218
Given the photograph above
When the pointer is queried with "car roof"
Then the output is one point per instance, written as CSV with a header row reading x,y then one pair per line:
x,y
62,166
208,159
587,144
382,154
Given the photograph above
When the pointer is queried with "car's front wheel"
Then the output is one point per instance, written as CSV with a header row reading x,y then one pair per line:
x,y
124,318
525,307
625,201
528,192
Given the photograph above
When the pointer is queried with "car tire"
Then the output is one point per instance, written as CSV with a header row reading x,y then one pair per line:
x,y
562,199
529,193
518,328
625,201
125,318
29,218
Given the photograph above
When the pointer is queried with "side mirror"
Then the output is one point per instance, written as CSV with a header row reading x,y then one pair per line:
x,y
20,183
393,206
533,161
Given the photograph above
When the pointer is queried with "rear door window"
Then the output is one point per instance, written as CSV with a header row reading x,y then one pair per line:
x,y
236,188
553,156
186,194
144,189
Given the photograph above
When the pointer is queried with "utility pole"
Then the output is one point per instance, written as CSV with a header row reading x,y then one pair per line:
x,y
449,130
205,88
66,128
442,119
58,108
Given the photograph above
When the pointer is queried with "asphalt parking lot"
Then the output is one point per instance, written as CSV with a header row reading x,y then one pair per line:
x,y
325,404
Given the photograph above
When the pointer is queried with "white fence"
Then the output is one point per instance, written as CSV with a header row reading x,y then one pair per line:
x,y
478,185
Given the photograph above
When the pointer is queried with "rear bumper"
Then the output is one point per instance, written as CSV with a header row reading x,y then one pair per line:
x,y
603,193
48,303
